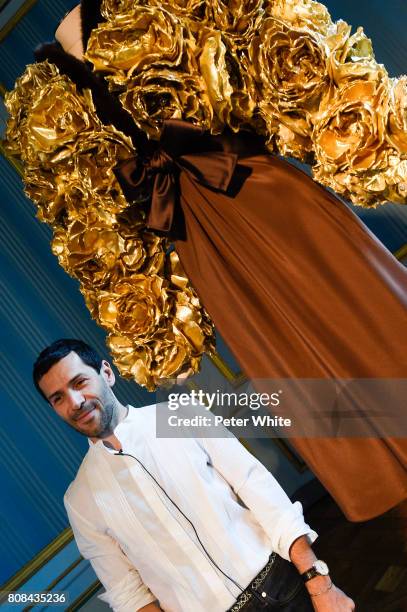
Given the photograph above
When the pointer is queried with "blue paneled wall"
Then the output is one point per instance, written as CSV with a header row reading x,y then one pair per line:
x,y
39,455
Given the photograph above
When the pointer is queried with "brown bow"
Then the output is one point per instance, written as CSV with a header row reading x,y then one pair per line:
x,y
183,148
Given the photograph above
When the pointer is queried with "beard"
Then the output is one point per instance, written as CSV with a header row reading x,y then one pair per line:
x,y
100,423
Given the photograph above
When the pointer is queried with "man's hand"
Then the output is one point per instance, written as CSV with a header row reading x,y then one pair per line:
x,y
333,600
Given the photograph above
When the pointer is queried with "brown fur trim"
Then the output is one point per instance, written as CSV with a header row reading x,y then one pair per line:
x,y
90,17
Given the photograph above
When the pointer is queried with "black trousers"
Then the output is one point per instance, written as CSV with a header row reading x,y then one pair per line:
x,y
283,586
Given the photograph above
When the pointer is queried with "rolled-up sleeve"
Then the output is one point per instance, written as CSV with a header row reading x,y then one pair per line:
x,y
282,520
125,590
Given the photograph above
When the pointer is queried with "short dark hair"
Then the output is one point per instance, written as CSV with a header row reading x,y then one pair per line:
x,y
57,351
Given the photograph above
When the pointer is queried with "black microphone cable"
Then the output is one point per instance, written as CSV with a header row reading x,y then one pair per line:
x,y
264,599
122,454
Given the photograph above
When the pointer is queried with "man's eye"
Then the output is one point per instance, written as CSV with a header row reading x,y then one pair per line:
x,y
80,382
57,399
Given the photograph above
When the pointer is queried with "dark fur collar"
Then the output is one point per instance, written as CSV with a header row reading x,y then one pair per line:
x,y
79,72
90,17
108,108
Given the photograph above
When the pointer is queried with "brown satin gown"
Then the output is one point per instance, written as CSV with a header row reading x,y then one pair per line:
x,y
299,288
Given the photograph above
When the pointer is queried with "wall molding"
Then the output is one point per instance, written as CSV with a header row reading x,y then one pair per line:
x,y
11,23
84,597
38,562
401,253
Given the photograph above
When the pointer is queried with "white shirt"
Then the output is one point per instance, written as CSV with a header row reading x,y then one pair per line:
x,y
140,545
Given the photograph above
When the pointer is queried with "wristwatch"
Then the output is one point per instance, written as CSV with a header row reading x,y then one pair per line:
x,y
318,568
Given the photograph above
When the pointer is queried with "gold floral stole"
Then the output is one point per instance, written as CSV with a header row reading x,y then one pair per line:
x,y
281,68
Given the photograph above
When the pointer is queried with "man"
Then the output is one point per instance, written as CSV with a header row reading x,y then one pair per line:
x,y
181,525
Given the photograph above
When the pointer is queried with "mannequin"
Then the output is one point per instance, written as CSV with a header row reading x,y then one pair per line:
x,y
69,35
294,282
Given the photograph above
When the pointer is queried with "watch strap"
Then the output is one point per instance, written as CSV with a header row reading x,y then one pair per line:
x,y
311,573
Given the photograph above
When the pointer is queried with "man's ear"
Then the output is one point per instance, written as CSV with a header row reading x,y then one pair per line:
x,y
107,373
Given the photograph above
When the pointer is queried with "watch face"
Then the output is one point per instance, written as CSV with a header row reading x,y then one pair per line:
x,y
321,568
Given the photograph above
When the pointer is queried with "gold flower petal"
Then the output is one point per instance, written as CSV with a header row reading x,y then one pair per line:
x,y
212,61
238,20
301,14
128,43
397,132
160,94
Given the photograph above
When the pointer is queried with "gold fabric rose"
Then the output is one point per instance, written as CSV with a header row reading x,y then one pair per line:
x,y
159,94
301,14
189,9
137,306
96,253
171,351
288,133
290,67
174,343
110,8
131,224
132,360
165,356
69,155
168,356
396,181
238,20
155,248
154,363
214,71
28,89
129,43
91,165
189,318
351,57
41,186
397,132
57,118
229,87
243,98
350,139
79,177
53,120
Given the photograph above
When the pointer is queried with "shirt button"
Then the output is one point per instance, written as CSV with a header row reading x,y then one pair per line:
x,y
264,594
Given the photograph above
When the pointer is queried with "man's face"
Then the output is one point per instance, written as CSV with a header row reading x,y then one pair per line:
x,y
81,396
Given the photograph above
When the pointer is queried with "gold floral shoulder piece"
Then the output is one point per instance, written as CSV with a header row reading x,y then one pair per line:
x,y
133,285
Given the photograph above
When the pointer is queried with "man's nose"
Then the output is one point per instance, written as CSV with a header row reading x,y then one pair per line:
x,y
76,399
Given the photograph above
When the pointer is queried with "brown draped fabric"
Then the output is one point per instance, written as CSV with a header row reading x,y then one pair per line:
x,y
297,286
